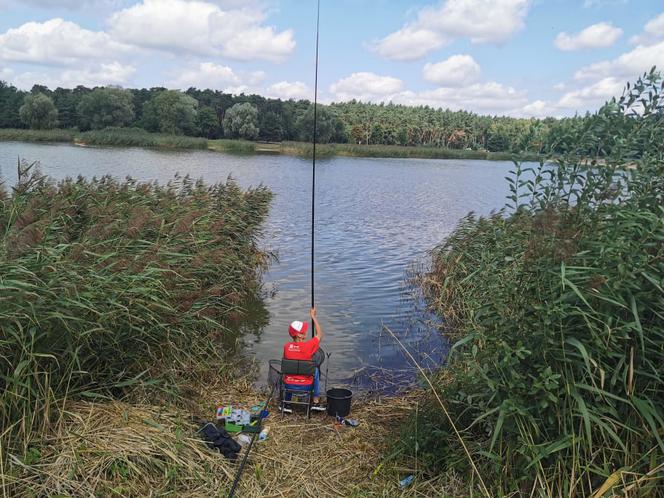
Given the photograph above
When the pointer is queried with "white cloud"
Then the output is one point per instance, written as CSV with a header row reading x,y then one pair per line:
x,y
365,86
244,88
592,96
254,77
598,35
595,84
489,97
112,73
6,74
68,4
218,77
57,42
653,31
290,90
201,28
481,21
606,79
580,100
628,66
207,75
538,109
408,43
455,71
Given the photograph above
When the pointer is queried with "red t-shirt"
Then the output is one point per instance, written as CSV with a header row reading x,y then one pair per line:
x,y
300,351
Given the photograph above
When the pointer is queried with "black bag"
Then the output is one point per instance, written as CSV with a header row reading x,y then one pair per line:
x,y
218,438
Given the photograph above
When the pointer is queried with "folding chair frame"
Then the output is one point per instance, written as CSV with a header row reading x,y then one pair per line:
x,y
297,367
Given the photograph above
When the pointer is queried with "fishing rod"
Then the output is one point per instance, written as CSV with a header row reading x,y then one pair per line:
x,y
313,168
240,469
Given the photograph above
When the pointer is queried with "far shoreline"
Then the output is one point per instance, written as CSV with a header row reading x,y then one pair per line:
x,y
133,137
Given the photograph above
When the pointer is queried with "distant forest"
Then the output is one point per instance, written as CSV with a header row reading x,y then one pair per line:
x,y
214,114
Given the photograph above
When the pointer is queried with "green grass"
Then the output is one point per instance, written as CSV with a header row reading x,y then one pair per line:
x,y
557,309
57,135
232,146
398,151
120,137
106,286
137,137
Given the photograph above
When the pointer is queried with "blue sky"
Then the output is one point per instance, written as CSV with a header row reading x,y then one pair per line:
x,y
513,57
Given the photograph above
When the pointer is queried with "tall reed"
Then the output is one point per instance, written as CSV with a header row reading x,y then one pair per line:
x,y
23,135
557,306
137,137
106,285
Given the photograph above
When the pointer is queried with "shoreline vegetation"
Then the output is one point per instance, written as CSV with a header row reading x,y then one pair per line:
x,y
116,290
135,137
554,386
212,114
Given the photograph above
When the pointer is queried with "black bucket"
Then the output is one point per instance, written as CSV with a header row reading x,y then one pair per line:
x,y
338,402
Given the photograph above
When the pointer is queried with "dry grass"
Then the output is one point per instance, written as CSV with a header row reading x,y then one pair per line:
x,y
121,449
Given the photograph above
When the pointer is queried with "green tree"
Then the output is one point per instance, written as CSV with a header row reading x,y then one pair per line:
x,y
39,112
271,126
104,107
207,122
376,134
11,100
66,103
402,136
171,111
329,127
241,121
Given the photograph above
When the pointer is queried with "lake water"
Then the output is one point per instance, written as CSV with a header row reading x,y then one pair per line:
x,y
375,219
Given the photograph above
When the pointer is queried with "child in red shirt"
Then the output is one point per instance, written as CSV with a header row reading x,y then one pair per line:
x,y
301,349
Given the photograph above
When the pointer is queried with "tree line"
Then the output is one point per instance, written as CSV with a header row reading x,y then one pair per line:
x,y
214,114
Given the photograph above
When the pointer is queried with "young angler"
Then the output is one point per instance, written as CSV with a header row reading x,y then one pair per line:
x,y
302,349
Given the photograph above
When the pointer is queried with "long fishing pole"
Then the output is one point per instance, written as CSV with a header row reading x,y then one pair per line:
x,y
240,469
238,474
313,168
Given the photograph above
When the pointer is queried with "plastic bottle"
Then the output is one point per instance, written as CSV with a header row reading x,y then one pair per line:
x,y
405,482
263,435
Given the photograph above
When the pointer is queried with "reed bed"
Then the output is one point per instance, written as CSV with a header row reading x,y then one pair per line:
x,y
119,137
232,146
137,137
108,286
399,151
557,306
15,134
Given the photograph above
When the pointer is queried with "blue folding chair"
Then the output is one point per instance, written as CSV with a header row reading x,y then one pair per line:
x,y
297,396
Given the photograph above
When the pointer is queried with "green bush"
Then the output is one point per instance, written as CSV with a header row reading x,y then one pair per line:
x,y
556,379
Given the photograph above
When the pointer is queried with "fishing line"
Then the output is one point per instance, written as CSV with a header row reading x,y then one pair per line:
x,y
313,168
